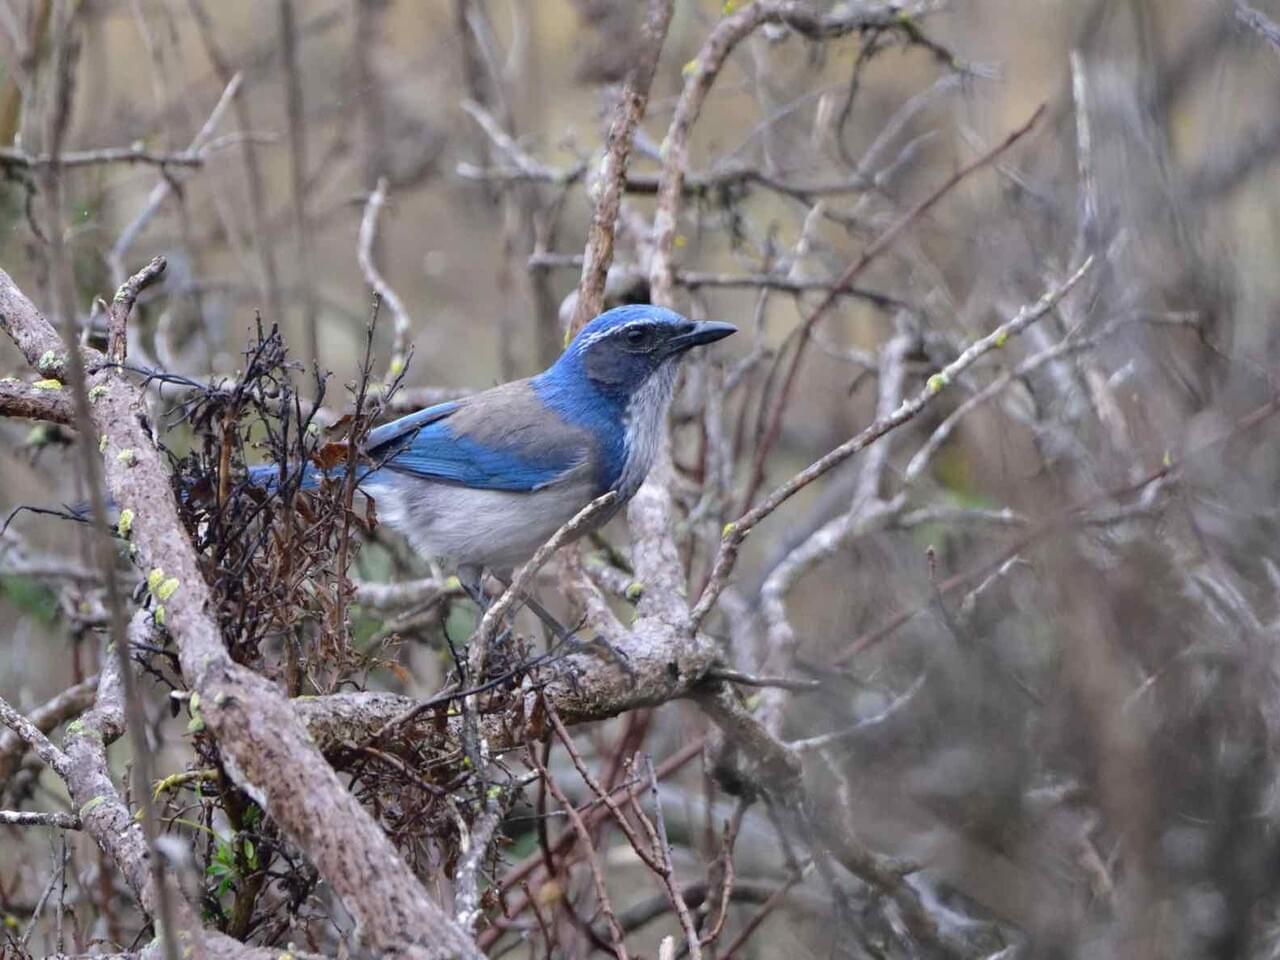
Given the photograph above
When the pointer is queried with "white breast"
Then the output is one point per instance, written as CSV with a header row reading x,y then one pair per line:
x,y
497,529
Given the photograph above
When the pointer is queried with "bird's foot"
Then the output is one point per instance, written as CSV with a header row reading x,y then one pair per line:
x,y
600,648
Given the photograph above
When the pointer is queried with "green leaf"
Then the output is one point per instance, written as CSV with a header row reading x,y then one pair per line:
x,y
30,597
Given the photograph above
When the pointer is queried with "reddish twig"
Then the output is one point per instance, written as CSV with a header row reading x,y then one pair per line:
x,y
775,900
521,872
593,860
646,855
728,876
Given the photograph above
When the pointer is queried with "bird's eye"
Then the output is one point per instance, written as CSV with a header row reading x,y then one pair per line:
x,y
638,336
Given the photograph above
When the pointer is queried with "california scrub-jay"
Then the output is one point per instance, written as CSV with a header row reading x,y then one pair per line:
x,y
486,480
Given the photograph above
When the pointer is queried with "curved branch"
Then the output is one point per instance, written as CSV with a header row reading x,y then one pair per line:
x,y
701,74
63,707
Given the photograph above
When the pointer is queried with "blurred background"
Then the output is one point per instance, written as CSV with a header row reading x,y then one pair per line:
x,y
1056,648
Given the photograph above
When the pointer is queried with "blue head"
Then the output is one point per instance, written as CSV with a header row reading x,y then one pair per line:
x,y
623,349
615,379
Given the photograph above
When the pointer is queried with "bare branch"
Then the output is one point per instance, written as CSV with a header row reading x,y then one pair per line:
x,y
1258,22
593,859
45,718
667,870
473,847
16,157
529,167
873,250
48,401
122,306
701,74
26,818
364,256
737,531
408,593
31,735
728,178
631,106
696,280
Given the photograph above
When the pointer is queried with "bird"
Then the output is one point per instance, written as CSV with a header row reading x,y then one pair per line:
x,y
482,482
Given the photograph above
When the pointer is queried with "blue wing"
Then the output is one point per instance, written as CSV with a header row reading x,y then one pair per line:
x,y
503,439
382,437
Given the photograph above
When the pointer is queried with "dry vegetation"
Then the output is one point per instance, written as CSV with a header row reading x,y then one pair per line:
x,y
943,630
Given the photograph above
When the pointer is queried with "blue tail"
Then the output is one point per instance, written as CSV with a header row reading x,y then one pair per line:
x,y
267,476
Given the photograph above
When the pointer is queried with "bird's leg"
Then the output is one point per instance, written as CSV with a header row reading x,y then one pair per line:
x,y
562,633
472,579
566,637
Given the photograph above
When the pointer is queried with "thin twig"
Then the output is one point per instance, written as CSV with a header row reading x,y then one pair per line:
x,y
642,851
736,532
593,860
825,740
31,735
701,74
162,189
1261,24
364,256
882,243
695,280
775,900
16,157
668,872
751,680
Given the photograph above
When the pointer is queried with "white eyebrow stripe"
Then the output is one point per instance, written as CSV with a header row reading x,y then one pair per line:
x,y
601,334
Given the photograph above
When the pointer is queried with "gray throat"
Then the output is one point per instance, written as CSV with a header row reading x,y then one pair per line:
x,y
645,421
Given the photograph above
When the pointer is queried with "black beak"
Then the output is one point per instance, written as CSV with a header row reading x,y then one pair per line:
x,y
699,333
